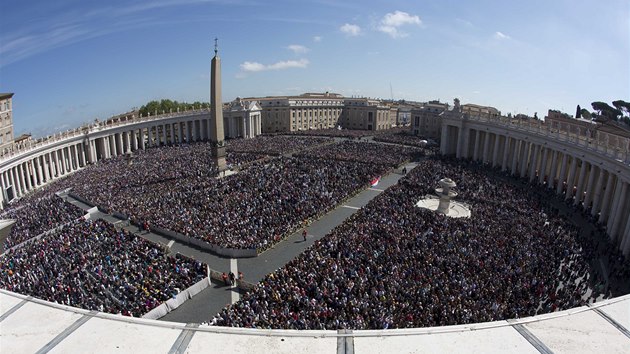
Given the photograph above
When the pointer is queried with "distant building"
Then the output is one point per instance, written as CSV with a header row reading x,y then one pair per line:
x,y
6,122
303,112
480,111
323,111
426,121
242,119
367,114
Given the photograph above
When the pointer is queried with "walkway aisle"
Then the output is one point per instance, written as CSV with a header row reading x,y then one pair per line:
x,y
255,269
203,306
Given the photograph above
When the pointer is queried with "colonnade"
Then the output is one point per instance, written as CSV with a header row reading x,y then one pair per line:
x,y
21,174
584,176
242,126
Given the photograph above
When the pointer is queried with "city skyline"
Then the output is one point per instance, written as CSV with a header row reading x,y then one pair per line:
x,y
69,63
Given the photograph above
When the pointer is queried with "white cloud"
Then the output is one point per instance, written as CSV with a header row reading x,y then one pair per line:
x,y
298,49
350,30
252,66
317,39
500,35
391,23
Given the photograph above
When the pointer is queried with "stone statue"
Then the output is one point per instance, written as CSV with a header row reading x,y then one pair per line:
x,y
456,106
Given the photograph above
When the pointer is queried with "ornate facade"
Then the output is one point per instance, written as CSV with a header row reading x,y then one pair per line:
x,y
242,119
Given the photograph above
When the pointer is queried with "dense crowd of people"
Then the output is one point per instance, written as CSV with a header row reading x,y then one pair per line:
x,y
174,188
365,152
390,265
333,133
35,216
403,137
91,265
252,209
274,144
395,265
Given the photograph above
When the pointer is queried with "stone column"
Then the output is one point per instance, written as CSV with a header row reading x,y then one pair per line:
x,y
40,176
92,158
128,141
55,164
534,162
120,148
515,153
590,185
21,177
150,136
112,146
13,179
141,138
579,193
4,183
193,130
524,158
506,152
495,151
443,140
76,156
620,212
553,172
486,147
46,166
563,173
571,179
607,199
26,171
614,207
460,143
543,166
60,163
134,139
477,142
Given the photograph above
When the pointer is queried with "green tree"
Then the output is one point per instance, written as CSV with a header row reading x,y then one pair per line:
x,y
622,106
167,105
606,111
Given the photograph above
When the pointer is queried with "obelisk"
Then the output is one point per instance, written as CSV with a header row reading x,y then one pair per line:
x,y
216,116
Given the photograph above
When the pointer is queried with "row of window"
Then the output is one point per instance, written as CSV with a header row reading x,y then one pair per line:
x,y
5,106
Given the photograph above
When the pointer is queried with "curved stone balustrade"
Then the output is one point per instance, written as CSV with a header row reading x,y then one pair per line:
x,y
31,325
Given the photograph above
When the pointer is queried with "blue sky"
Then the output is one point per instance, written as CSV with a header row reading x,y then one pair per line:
x,y
70,61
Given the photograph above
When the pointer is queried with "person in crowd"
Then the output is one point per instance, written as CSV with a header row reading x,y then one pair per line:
x,y
394,265
91,265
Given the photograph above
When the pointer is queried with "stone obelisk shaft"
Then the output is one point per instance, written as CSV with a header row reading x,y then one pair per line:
x,y
216,117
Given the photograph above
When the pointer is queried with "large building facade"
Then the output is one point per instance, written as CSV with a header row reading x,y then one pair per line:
x,y
367,114
426,120
6,122
281,114
303,112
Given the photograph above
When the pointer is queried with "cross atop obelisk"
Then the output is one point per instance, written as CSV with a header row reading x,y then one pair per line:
x,y
216,115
